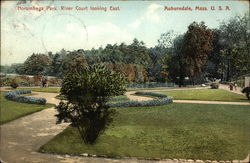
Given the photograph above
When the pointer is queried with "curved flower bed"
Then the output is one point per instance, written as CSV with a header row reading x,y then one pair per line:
x,y
15,96
134,103
151,94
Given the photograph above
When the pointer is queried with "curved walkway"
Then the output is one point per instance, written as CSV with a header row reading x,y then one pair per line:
x,y
21,138
131,95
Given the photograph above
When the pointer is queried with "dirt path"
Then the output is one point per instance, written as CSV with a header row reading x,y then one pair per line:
x,y
226,87
141,98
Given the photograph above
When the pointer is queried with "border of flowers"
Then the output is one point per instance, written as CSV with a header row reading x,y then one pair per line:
x,y
15,96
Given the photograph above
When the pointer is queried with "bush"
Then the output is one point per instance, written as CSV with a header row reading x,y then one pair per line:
x,y
14,84
15,96
87,90
214,86
247,92
5,81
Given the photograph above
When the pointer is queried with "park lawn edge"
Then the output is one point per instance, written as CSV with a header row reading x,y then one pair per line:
x,y
28,113
191,99
244,100
43,149
49,105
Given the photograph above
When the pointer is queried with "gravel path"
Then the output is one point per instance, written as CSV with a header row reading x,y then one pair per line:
x,y
20,139
141,98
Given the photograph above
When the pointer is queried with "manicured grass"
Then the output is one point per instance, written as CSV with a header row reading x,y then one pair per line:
x,y
119,98
178,130
11,110
46,89
205,94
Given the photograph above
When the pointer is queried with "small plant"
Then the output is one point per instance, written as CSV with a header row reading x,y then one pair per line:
x,y
214,86
14,84
246,90
87,90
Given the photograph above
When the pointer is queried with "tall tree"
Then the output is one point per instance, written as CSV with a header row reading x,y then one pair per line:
x,y
234,37
177,62
197,45
37,64
138,54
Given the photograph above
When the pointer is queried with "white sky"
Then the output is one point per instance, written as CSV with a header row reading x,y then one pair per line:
x,y
24,32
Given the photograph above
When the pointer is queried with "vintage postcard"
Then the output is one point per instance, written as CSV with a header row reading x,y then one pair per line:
x,y
125,81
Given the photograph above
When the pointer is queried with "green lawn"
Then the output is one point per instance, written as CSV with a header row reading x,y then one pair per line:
x,y
178,130
46,89
11,110
119,98
205,94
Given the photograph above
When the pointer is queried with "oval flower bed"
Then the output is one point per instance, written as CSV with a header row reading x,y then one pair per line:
x,y
15,96
161,100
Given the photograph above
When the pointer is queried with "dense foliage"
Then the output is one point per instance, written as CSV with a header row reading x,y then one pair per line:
x,y
27,81
87,90
14,84
197,46
193,57
15,96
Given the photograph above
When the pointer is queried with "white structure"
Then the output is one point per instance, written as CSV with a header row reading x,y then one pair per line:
x,y
247,81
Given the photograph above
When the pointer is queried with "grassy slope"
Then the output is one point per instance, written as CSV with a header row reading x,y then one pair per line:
x,y
11,110
190,131
205,94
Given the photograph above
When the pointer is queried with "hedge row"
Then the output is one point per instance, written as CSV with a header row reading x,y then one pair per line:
x,y
134,103
15,96
151,94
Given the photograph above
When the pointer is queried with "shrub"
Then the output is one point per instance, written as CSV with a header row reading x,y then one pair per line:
x,y
14,84
15,96
5,81
87,90
214,86
246,90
